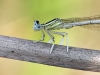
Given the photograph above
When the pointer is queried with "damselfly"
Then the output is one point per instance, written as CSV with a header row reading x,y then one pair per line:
x,y
92,22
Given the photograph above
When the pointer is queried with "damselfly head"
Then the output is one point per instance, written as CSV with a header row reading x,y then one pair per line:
x,y
37,26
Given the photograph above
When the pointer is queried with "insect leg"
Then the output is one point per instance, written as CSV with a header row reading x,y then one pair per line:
x,y
42,39
62,34
43,35
52,38
62,40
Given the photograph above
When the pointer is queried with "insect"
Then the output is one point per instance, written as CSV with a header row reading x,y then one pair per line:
x,y
92,22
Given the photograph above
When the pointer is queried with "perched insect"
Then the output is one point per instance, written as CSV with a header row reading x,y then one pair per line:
x,y
92,22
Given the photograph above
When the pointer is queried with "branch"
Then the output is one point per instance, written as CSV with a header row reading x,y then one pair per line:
x,y
38,52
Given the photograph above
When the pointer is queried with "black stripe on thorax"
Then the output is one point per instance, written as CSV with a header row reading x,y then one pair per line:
x,y
50,21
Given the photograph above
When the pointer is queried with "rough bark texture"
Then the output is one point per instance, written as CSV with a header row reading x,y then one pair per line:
x,y
38,52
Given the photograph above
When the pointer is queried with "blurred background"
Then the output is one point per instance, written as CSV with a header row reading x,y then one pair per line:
x,y
16,20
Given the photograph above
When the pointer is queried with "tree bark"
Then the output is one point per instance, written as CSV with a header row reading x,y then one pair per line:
x,y
38,52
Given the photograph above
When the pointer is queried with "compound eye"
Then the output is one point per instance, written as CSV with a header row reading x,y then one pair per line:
x,y
37,22
38,26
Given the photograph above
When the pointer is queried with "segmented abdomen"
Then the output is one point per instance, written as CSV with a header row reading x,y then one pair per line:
x,y
92,22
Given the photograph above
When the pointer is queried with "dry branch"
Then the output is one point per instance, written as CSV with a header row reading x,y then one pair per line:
x,y
38,52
